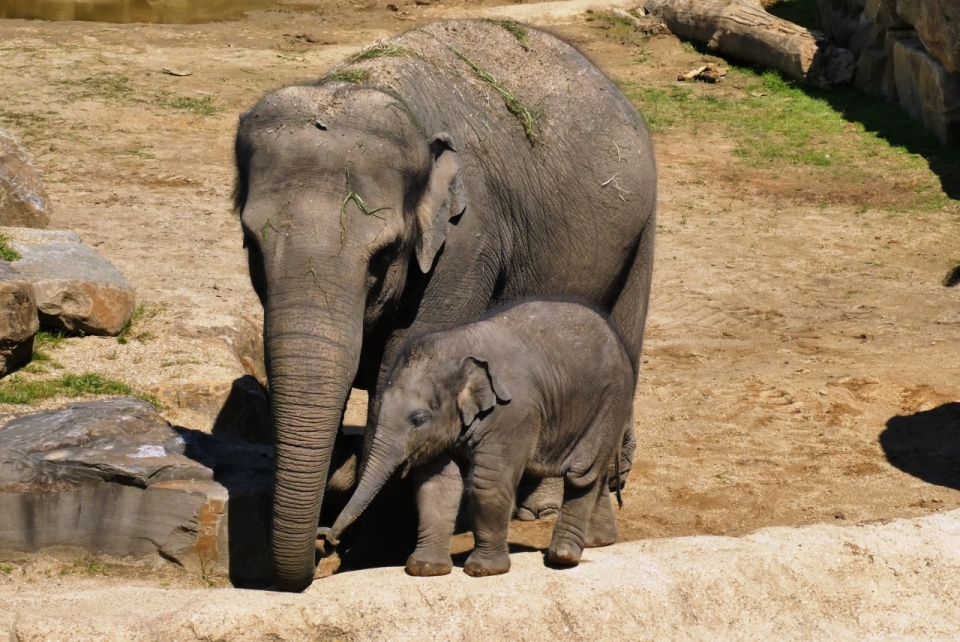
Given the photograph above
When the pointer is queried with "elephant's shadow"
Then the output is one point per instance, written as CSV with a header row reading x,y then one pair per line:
x,y
926,444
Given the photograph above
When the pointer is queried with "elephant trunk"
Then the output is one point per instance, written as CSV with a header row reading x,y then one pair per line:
x,y
386,455
311,366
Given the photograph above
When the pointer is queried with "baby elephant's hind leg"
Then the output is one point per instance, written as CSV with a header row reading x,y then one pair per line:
x,y
602,530
570,531
440,488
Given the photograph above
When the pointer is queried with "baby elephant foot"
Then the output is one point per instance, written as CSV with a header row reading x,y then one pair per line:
x,y
477,566
429,566
564,553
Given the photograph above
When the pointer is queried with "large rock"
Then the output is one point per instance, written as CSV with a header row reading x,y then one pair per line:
x,y
927,92
909,10
18,318
938,25
840,19
77,289
871,69
23,198
883,13
888,86
114,477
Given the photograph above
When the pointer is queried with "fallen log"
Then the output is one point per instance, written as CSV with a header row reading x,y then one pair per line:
x,y
743,30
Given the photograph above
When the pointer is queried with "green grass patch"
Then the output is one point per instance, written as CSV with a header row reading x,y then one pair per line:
x,y
141,314
109,86
517,30
15,390
778,122
350,75
6,569
199,106
7,253
381,50
592,16
517,108
86,567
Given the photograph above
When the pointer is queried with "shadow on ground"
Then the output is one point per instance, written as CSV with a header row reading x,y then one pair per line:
x,y
892,124
926,444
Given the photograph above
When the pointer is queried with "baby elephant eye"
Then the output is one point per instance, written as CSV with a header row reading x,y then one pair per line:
x,y
419,418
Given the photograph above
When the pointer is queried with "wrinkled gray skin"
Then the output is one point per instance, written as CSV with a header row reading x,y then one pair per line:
x,y
542,388
415,200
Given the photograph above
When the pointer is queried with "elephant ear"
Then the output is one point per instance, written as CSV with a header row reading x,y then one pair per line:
x,y
444,198
481,389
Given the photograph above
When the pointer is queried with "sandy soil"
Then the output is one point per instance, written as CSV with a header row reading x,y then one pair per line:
x,y
800,363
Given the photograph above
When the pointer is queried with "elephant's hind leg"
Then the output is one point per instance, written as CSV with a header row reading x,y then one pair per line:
x,y
439,491
539,498
570,531
602,529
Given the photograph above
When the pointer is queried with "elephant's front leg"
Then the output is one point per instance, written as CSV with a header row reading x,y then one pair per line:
x,y
439,490
493,486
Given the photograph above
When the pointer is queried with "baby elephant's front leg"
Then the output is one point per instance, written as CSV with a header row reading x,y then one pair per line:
x,y
492,491
439,490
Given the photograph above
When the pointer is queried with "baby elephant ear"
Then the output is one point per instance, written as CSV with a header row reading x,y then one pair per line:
x,y
481,389
443,198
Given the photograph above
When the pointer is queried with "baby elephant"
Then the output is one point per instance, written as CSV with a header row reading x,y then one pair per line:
x,y
544,388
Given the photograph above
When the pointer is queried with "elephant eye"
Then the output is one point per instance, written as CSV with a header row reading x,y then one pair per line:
x,y
379,264
419,418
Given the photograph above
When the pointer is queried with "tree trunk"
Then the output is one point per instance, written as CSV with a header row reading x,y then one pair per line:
x,y
742,29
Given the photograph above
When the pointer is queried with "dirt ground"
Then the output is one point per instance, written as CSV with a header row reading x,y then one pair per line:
x,y
800,363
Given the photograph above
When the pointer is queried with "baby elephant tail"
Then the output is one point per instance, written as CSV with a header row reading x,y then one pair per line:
x,y
616,471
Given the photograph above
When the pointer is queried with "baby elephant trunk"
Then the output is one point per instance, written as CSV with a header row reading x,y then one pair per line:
x,y
385,458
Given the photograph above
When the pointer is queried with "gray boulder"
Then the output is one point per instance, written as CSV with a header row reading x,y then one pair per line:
x,y
114,477
926,91
23,198
77,289
888,86
840,19
883,13
18,318
938,24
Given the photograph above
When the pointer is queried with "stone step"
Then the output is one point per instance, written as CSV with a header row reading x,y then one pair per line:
x,y
113,477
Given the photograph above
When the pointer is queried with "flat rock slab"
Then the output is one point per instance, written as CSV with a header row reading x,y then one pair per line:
x,y
18,318
77,289
23,198
114,477
894,581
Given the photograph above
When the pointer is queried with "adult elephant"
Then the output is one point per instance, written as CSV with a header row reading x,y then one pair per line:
x,y
431,177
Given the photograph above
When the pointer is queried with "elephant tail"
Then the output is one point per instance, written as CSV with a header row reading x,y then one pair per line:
x,y
616,471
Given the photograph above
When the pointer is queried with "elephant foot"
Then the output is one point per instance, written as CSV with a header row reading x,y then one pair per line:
x,y
596,540
564,554
601,532
539,499
426,567
477,566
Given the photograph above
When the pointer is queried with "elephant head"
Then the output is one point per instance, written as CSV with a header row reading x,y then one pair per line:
x,y
426,404
342,198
